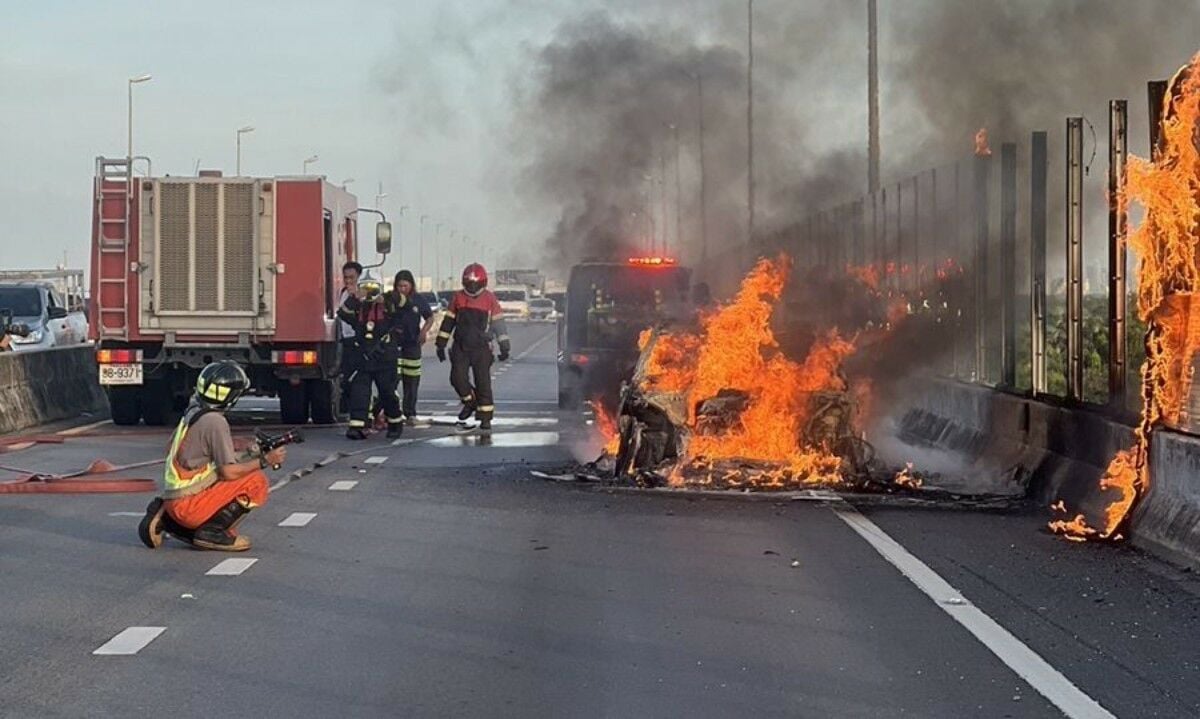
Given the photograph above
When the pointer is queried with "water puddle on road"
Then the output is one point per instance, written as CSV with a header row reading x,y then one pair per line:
x,y
449,421
501,439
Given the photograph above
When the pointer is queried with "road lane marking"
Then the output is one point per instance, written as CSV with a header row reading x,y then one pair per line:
x,y
128,641
343,485
375,460
231,567
298,519
402,442
1028,664
126,514
84,428
534,346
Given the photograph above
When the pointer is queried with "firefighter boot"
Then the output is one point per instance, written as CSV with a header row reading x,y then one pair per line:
x,y
150,529
217,533
485,425
356,433
395,428
177,530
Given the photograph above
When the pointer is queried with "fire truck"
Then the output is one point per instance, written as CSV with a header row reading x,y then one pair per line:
x,y
190,270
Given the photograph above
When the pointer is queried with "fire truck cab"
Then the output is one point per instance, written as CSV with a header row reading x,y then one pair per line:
x,y
189,270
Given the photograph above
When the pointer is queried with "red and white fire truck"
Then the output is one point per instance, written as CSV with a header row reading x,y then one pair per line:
x,y
189,270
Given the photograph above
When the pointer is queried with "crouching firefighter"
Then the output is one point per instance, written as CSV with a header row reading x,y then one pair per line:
x,y
207,488
472,319
374,317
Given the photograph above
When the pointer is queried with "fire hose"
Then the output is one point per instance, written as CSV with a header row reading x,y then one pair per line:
x,y
80,482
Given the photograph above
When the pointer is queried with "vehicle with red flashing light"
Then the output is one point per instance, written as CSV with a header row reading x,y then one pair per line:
x,y
607,306
192,270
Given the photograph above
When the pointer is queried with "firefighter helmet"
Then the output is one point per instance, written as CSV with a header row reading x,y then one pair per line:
x,y
371,288
220,384
474,279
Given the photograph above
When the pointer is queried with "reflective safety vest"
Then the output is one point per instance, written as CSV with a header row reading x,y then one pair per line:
x,y
179,481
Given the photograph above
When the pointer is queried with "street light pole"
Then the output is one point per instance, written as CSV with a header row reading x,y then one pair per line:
x,y
241,131
703,186
129,125
678,194
437,255
749,120
421,246
309,161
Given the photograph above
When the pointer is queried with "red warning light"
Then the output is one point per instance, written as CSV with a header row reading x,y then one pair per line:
x,y
652,261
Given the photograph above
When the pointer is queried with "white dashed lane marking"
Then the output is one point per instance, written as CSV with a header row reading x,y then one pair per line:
x,y
343,485
298,519
130,640
231,567
375,460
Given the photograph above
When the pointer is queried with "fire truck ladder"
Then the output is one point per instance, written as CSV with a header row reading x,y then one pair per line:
x,y
114,210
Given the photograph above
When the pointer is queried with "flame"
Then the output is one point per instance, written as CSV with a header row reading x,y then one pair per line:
x,y
606,425
1168,187
906,478
981,143
736,349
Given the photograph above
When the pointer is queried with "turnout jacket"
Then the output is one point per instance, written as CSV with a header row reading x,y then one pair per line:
x,y
374,323
472,321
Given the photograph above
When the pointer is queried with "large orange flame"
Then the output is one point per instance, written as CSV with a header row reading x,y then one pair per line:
x,y
1168,187
606,426
736,349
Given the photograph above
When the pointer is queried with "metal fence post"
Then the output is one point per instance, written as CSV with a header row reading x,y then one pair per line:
x,y
980,302
1008,264
1074,246
1038,167
1118,115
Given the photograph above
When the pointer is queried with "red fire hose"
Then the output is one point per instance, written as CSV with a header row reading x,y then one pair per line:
x,y
93,479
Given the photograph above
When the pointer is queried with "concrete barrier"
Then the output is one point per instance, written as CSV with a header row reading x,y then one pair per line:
x,y
49,385
1167,521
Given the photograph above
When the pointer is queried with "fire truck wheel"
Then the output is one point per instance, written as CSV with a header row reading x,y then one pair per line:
x,y
323,395
293,404
125,405
156,403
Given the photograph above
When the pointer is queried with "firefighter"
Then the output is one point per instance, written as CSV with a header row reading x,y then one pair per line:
x,y
373,315
473,318
207,489
412,332
351,272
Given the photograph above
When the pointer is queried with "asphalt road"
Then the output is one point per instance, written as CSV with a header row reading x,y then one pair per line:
x,y
448,581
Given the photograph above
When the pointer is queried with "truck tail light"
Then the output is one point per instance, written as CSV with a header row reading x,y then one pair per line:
x,y
580,359
118,356
294,357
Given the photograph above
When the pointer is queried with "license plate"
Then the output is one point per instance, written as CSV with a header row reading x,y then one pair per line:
x,y
120,374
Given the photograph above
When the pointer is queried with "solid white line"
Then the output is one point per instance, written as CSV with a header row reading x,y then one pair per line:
x,y
343,485
375,460
533,346
298,519
83,428
126,514
128,641
1047,680
231,567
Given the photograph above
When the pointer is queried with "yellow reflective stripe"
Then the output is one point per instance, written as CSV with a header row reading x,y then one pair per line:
x,y
410,372
410,362
443,335
176,485
486,407
216,392
468,398
502,338
357,423
397,420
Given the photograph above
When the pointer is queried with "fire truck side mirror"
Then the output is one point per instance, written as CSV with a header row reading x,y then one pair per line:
x,y
383,238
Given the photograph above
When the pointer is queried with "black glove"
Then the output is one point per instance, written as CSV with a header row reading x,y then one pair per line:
x,y
441,353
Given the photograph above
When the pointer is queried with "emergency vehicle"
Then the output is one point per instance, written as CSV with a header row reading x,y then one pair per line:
x,y
607,306
190,270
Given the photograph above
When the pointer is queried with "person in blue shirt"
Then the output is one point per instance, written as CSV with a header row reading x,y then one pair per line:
x,y
412,332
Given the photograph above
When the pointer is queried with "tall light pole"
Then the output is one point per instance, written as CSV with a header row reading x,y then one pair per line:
x,y
241,131
308,161
678,193
662,197
703,186
873,149
749,120
129,125
421,246
437,255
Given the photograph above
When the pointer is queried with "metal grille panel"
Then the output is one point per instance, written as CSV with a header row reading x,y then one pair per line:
x,y
173,230
238,261
206,247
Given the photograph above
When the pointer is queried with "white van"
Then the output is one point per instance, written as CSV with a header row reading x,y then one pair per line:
x,y
514,300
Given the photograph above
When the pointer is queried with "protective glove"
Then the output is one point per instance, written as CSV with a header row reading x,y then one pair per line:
x,y
441,354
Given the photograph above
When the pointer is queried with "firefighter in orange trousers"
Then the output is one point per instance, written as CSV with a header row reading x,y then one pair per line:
x,y
207,489
473,318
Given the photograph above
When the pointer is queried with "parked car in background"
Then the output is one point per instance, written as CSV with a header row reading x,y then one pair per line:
x,y
514,300
541,308
438,305
46,313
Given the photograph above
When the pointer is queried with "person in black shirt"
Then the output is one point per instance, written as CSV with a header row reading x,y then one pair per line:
x,y
412,331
